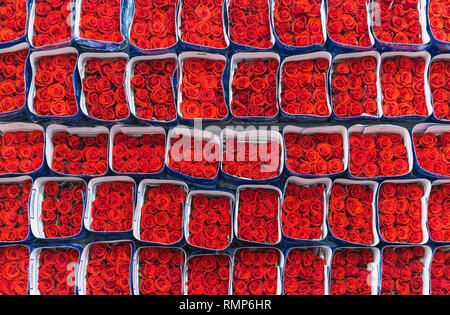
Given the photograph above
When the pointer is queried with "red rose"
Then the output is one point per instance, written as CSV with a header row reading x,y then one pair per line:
x,y
350,216
350,273
202,90
354,101
303,89
438,206
15,260
14,20
202,24
374,155
255,271
102,257
398,210
299,279
194,157
403,95
321,152
302,215
100,21
79,154
264,206
206,228
208,274
398,23
51,27
153,25
154,75
347,23
249,24
109,105
439,272
402,267
253,90
58,97
162,200
118,205
58,276
139,154
61,218
298,24
12,83
255,161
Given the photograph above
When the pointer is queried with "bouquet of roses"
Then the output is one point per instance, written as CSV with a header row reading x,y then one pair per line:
x,y
160,271
161,211
255,271
304,271
208,275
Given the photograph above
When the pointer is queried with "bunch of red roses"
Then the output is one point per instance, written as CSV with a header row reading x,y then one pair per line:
x,y
162,214
21,151
210,222
354,87
194,157
439,19
298,23
255,271
380,154
208,275
302,215
100,20
55,94
258,215
254,88
13,19
112,208
251,160
403,87
402,269
400,212
397,22
14,272
14,211
138,154
202,90
440,269
52,23
440,88
350,272
438,210
303,87
153,25
152,89
12,80
317,154
347,22
304,272
104,90
76,155
160,271
249,23
108,269
202,23
351,213
433,152
62,208
57,268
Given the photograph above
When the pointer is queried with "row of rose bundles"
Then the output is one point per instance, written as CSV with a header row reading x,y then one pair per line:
x,y
252,156
167,212
119,268
215,25
60,85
